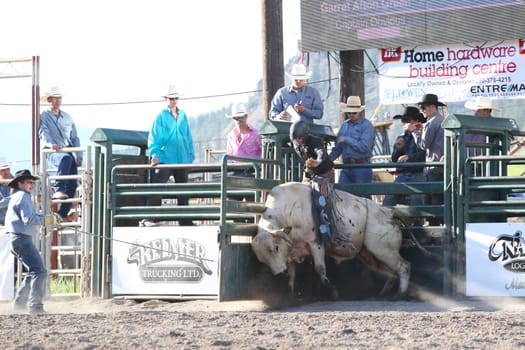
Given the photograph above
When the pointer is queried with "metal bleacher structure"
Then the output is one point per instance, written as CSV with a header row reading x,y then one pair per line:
x,y
475,189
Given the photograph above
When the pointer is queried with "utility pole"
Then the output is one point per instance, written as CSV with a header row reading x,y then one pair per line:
x,y
352,74
353,84
273,61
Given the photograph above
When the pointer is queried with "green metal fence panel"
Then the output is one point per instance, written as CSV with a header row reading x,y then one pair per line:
x,y
476,186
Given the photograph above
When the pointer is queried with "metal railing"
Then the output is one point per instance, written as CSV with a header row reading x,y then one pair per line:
x,y
67,250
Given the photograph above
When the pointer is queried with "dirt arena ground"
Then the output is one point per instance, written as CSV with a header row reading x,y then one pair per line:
x,y
436,323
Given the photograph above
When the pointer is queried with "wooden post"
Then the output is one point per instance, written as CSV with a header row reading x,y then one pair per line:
x,y
352,74
273,61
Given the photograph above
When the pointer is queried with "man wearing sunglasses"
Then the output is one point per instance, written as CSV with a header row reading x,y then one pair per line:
x,y
431,138
354,143
299,97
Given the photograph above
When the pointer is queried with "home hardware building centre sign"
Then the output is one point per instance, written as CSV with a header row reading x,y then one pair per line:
x,y
453,72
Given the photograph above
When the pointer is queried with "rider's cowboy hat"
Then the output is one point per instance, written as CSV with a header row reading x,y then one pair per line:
x,y
353,104
54,91
481,102
20,176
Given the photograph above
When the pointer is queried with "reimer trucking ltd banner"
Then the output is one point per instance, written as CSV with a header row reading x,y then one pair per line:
x,y
165,260
453,72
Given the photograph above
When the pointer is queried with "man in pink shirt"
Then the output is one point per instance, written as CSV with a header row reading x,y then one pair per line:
x,y
243,140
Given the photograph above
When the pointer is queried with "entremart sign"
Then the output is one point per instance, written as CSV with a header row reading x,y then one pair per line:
x,y
454,73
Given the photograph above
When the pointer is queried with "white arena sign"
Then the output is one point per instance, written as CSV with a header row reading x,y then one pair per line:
x,y
495,259
165,260
453,72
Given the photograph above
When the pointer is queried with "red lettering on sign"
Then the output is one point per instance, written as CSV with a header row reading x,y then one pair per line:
x,y
521,43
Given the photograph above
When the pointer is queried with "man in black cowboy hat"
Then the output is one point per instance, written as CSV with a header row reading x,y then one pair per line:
x,y
431,138
21,225
406,150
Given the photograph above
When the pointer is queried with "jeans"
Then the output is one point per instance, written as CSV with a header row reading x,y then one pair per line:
x,y
434,174
414,199
67,165
161,176
354,176
32,288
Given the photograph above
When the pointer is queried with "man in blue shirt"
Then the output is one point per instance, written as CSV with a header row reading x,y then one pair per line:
x,y
57,130
21,225
304,99
355,142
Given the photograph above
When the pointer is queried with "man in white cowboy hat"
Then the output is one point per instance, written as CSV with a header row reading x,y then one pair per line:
x,y
57,130
431,138
354,142
243,140
170,142
304,99
5,195
482,107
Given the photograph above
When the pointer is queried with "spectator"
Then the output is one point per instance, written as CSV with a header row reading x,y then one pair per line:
x,y
170,142
57,130
354,142
5,195
482,107
21,223
406,150
431,138
304,99
243,140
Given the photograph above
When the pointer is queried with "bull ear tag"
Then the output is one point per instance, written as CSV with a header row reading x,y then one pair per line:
x,y
322,201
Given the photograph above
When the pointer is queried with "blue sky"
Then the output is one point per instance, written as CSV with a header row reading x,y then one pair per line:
x,y
118,51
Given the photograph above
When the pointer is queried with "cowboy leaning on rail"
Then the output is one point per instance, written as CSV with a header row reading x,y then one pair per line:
x,y
319,172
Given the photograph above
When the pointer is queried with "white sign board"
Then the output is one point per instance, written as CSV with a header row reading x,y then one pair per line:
x,y
453,73
495,259
165,260
7,268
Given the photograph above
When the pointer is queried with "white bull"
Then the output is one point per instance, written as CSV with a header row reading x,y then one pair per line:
x,y
287,233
